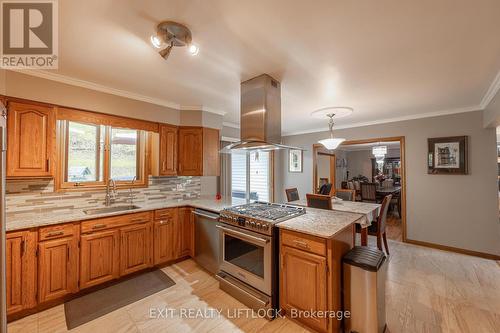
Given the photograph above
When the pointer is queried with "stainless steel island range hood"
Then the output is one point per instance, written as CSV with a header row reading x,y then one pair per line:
x,y
260,120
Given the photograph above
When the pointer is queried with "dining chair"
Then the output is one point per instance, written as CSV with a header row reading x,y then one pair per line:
x,y
292,194
325,189
377,228
345,194
319,201
369,192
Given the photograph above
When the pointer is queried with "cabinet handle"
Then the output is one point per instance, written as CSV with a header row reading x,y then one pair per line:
x,y
164,222
163,166
48,165
301,244
67,255
98,226
55,233
138,220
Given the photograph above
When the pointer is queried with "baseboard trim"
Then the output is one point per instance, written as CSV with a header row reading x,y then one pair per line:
x,y
454,249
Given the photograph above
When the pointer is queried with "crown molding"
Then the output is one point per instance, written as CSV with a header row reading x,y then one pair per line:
x,y
113,91
201,108
491,92
389,120
229,124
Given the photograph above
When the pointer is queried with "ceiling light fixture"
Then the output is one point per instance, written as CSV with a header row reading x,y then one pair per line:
x,y
332,143
173,34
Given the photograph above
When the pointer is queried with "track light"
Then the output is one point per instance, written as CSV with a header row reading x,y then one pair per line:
x,y
173,34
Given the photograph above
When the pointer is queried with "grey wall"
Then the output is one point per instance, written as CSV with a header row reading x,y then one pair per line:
x,y
453,210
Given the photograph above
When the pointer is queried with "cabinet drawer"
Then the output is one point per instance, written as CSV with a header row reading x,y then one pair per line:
x,y
115,221
304,242
56,231
163,214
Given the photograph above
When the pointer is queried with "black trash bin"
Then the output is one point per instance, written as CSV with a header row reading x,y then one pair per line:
x,y
365,270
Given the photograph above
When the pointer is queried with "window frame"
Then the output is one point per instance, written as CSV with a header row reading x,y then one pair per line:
x,y
247,185
60,182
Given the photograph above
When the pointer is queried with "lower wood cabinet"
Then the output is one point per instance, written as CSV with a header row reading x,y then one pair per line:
x,y
57,268
164,240
100,257
20,270
304,285
135,248
185,233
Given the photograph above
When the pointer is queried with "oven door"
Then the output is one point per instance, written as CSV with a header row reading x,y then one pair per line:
x,y
246,256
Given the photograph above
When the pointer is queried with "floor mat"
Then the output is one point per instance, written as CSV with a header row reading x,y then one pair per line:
x,y
96,304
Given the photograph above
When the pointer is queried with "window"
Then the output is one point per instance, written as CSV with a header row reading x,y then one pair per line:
x,y
91,154
251,176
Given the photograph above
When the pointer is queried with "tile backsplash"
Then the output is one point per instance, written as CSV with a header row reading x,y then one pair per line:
x,y
31,196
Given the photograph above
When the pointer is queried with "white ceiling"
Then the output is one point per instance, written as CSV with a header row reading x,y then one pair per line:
x,y
386,59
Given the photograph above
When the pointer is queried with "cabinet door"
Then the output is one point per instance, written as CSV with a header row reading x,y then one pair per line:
x,y
164,243
20,271
31,137
211,154
57,268
190,152
100,257
135,253
168,150
303,284
185,233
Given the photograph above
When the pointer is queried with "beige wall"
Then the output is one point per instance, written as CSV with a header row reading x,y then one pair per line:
x,y
43,90
453,210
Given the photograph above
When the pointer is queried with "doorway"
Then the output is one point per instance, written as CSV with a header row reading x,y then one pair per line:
x,y
357,164
324,169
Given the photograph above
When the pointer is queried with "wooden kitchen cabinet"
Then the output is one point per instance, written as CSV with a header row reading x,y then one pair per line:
x,y
31,140
100,257
310,275
135,248
57,268
163,234
198,151
185,233
168,150
20,270
304,284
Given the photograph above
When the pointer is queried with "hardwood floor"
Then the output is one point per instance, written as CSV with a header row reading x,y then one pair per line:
x,y
393,227
427,290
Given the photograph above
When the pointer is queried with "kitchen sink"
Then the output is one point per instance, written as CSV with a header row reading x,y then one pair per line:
x,y
114,209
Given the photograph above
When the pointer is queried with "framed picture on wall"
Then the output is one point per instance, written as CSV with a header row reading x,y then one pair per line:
x,y
295,160
448,155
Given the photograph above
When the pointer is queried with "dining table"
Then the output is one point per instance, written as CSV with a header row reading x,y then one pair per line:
x,y
369,212
383,191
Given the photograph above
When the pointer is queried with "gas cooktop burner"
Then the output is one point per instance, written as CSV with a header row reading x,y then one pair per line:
x,y
267,211
259,216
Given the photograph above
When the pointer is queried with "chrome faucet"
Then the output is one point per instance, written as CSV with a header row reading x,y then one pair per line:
x,y
110,196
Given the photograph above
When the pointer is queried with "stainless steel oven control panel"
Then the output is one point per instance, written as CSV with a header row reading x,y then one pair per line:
x,y
249,223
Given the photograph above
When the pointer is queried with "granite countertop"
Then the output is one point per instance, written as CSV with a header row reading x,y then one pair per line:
x,y
32,220
321,222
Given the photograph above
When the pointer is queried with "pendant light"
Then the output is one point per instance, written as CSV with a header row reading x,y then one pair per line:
x,y
332,142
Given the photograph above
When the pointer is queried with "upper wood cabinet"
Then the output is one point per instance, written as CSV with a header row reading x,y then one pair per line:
x,y
168,150
304,285
136,248
100,257
198,152
20,270
57,268
30,141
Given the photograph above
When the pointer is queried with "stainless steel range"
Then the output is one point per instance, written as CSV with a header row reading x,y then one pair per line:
x,y
249,252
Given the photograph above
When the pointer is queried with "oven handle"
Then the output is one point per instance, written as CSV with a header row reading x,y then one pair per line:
x,y
259,240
